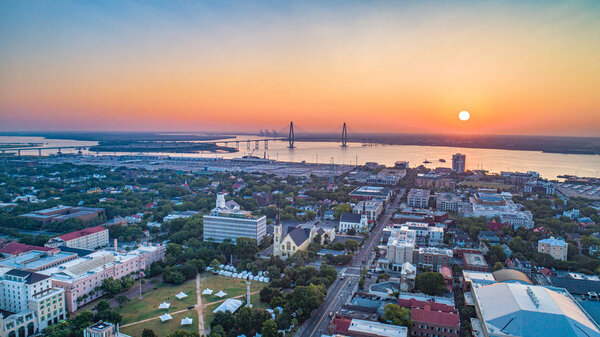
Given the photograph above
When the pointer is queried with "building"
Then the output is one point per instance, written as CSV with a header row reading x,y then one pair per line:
x,y
83,275
519,178
37,260
430,322
62,213
517,309
400,248
387,176
433,218
29,303
434,180
434,258
475,261
459,162
408,276
103,329
448,202
88,238
371,192
180,215
292,239
492,205
554,247
418,198
15,248
373,208
357,222
425,235
539,186
228,221
361,328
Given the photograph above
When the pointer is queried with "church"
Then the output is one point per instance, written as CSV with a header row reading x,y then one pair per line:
x,y
297,238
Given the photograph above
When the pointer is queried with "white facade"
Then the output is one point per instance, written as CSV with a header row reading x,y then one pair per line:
x,y
227,221
373,207
448,202
400,247
418,198
554,247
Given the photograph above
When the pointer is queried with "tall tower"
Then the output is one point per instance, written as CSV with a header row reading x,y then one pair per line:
x,y
277,233
344,136
248,304
291,136
364,221
459,162
221,200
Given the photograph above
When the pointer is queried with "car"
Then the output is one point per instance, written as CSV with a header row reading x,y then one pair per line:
x,y
191,307
342,277
331,314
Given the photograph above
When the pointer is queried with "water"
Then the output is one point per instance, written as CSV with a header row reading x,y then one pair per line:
x,y
550,165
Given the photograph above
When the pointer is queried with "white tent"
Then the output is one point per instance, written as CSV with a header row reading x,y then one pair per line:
x,y
164,305
181,295
165,317
221,293
230,304
186,321
207,291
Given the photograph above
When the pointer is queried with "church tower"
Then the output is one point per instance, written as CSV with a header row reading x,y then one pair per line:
x,y
277,235
364,221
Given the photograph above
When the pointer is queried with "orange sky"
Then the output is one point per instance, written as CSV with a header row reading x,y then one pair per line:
x,y
520,69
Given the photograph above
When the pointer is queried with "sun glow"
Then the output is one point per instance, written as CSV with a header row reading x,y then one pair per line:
x,y
464,116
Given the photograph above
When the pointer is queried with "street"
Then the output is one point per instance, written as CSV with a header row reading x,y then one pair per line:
x,y
341,290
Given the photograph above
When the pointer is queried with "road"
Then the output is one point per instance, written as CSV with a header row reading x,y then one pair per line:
x,y
341,290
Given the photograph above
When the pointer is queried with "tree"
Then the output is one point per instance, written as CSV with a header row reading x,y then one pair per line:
x,y
183,333
148,333
341,208
395,314
267,293
269,329
431,283
121,299
496,254
351,245
246,248
498,265
304,299
217,331
111,287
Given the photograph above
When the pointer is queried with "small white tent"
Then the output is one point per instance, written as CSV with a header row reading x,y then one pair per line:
x,y
221,293
164,305
165,317
181,295
186,321
207,291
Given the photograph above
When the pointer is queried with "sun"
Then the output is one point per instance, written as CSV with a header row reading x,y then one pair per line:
x,y
464,116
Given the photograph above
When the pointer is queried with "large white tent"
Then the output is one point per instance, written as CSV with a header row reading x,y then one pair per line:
x,y
221,293
186,321
164,305
181,295
207,291
230,304
165,317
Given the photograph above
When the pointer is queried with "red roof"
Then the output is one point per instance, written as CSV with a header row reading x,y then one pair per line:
x,y
15,248
414,303
83,232
341,324
427,315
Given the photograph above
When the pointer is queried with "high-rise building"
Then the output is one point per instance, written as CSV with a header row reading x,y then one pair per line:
x,y
459,161
228,221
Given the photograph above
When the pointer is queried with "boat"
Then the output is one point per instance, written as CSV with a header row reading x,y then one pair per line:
x,y
442,160
426,162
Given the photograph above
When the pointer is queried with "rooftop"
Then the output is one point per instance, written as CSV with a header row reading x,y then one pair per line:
x,y
473,259
81,233
34,259
554,241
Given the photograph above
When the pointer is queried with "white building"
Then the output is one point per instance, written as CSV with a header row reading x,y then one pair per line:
x,y
517,309
228,221
32,299
358,222
491,205
88,238
554,247
448,202
400,247
373,207
418,198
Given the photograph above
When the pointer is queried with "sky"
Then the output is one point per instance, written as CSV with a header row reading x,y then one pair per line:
x,y
518,67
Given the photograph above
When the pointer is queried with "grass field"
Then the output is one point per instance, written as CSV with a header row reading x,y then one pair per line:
x,y
481,184
136,309
232,286
163,329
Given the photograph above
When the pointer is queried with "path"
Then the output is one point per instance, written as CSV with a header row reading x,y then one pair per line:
x,y
199,307
184,310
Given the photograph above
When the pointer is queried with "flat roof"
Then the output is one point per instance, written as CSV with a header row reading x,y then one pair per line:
x,y
376,328
34,259
474,259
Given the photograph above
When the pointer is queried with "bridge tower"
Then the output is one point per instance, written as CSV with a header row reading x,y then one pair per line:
x,y
291,136
344,136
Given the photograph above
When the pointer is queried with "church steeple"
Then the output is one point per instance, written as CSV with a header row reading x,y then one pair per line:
x,y
277,235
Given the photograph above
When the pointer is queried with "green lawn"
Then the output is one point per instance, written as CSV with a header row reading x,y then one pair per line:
x,y
232,286
136,309
163,329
